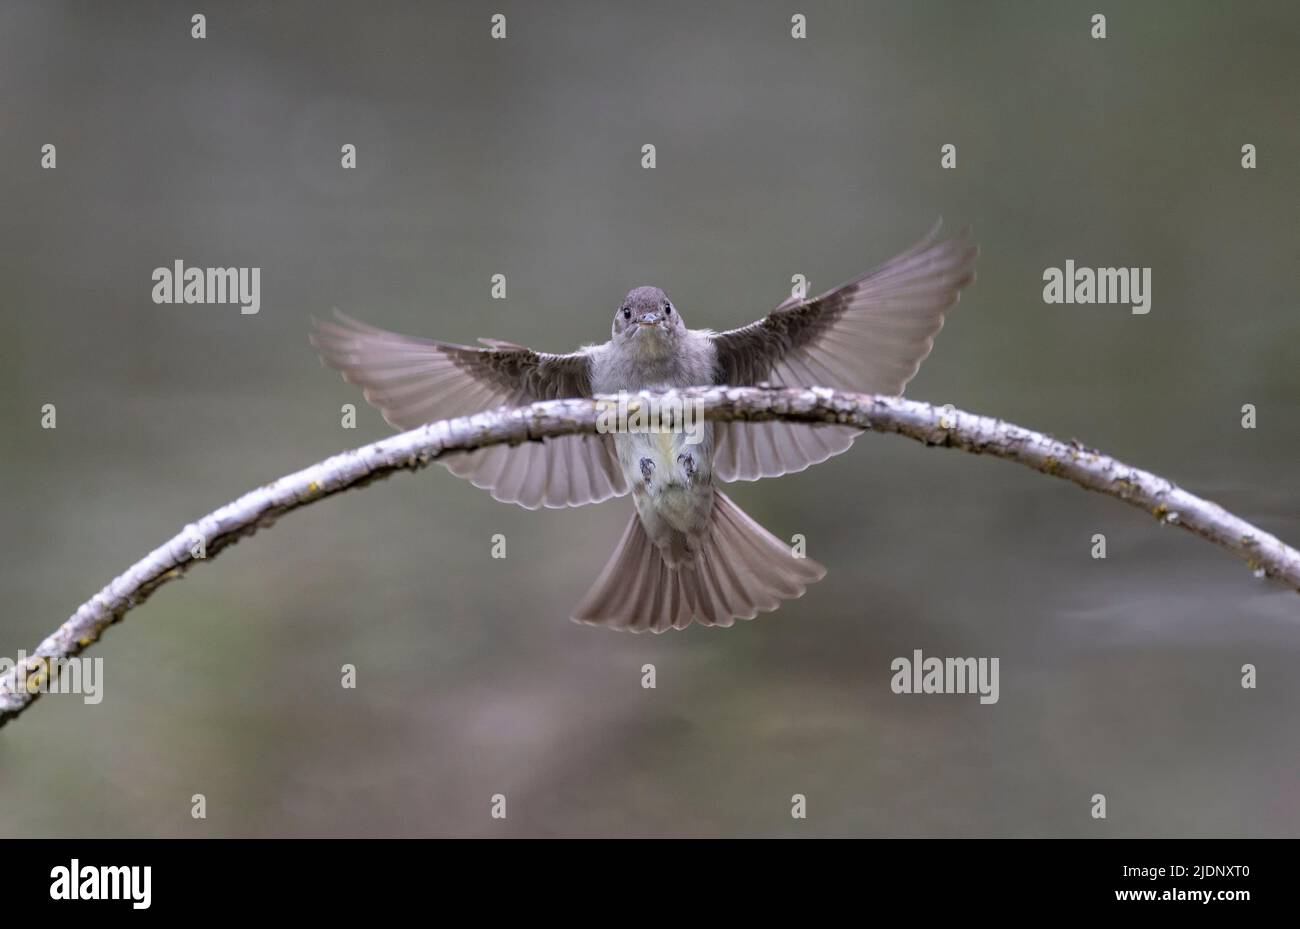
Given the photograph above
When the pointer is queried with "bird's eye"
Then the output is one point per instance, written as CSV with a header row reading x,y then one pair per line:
x,y
668,309
627,314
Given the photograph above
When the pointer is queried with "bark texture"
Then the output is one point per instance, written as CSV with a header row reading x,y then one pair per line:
x,y
409,451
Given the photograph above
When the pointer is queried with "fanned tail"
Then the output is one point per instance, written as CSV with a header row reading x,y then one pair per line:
x,y
741,570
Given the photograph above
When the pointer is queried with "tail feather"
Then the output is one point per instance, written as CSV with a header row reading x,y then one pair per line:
x,y
740,570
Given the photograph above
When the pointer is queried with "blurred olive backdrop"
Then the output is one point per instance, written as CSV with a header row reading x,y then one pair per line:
x,y
522,157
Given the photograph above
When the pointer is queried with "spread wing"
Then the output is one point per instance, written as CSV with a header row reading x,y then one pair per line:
x,y
414,381
869,335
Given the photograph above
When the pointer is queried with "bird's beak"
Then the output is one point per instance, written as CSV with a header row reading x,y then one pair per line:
x,y
648,319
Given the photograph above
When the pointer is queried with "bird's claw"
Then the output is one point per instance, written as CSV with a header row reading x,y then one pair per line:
x,y
687,461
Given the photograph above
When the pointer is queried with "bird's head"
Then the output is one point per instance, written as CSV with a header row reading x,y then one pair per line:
x,y
647,319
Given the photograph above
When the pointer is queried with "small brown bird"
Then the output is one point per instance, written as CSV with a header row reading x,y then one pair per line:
x,y
688,553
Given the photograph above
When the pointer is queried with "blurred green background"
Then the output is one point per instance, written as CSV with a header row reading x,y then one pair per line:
x,y
522,157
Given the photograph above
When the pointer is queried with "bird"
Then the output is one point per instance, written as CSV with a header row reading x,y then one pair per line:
x,y
688,552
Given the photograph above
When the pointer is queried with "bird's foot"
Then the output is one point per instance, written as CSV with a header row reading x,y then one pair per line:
x,y
687,461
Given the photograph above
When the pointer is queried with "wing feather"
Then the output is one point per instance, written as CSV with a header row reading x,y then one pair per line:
x,y
869,335
413,381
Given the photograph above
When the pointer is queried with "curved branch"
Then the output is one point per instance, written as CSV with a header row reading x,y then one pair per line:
x,y
412,450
